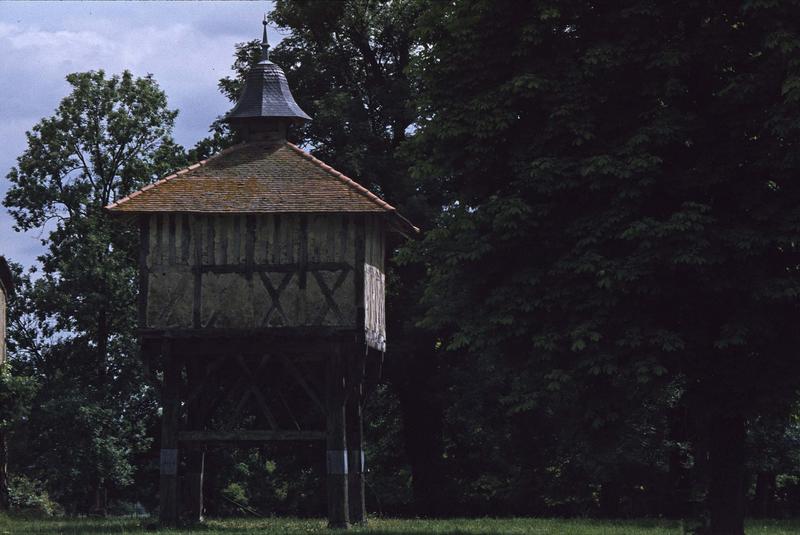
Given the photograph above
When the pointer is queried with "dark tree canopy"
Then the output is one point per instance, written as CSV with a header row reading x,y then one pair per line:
x,y
624,204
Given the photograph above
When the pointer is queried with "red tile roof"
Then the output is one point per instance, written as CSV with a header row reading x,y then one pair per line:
x,y
257,178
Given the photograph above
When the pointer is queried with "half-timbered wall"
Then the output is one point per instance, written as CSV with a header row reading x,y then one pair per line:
x,y
249,271
374,284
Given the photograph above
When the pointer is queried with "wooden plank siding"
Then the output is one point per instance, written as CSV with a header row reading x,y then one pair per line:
x,y
374,283
241,271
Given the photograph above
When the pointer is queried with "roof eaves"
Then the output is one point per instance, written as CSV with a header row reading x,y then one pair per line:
x,y
405,222
343,178
357,187
113,206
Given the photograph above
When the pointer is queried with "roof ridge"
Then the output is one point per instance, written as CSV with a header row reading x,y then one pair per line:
x,y
343,178
183,171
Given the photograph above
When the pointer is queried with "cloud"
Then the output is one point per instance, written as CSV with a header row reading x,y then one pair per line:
x,y
186,46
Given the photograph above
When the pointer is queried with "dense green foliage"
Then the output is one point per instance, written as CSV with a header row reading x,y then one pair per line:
x,y
72,331
623,220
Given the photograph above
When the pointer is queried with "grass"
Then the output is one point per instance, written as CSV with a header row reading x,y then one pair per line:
x,y
292,526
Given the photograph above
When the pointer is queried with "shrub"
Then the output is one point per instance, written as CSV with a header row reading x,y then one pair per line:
x,y
29,496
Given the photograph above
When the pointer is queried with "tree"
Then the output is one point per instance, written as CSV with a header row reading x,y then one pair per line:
x,y
16,393
107,138
624,208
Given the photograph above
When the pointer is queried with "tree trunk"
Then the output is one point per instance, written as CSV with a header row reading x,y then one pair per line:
x,y
765,492
726,493
4,498
609,500
677,495
99,508
423,436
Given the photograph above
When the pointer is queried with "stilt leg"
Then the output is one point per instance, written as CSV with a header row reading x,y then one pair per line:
x,y
338,514
355,448
195,465
168,488
194,482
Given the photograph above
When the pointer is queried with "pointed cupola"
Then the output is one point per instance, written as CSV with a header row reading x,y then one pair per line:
x,y
266,106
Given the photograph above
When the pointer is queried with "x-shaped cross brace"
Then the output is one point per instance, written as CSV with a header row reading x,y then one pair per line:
x,y
275,295
330,302
251,389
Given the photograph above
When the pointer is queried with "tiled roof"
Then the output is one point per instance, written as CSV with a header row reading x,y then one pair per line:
x,y
256,178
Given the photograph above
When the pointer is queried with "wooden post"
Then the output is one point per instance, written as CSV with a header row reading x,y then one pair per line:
x,y
195,465
195,468
168,488
338,513
355,448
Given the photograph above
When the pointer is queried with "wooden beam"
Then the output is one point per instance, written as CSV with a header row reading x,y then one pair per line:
x,y
250,244
267,268
168,487
326,332
249,436
336,451
211,240
159,256
195,468
196,375
275,295
330,300
197,299
251,387
360,258
171,239
186,238
144,273
223,239
303,267
311,350
287,362
355,449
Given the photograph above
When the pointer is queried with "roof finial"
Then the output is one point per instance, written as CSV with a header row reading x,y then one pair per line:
x,y
265,42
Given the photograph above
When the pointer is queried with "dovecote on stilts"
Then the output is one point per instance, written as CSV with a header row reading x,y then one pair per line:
x,y
261,281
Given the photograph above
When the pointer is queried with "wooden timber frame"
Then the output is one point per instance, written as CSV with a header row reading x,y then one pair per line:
x,y
189,398
231,386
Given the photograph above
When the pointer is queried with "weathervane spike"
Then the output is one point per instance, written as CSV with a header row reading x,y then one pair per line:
x,y
265,42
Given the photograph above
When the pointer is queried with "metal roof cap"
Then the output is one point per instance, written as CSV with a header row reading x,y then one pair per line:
x,y
266,92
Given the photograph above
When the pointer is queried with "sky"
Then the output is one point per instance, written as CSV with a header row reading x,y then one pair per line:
x,y
186,46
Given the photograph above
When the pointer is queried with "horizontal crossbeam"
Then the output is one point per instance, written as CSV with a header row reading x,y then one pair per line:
x,y
300,332
248,436
253,268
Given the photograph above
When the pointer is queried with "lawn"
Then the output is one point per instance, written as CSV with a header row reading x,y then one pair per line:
x,y
487,526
